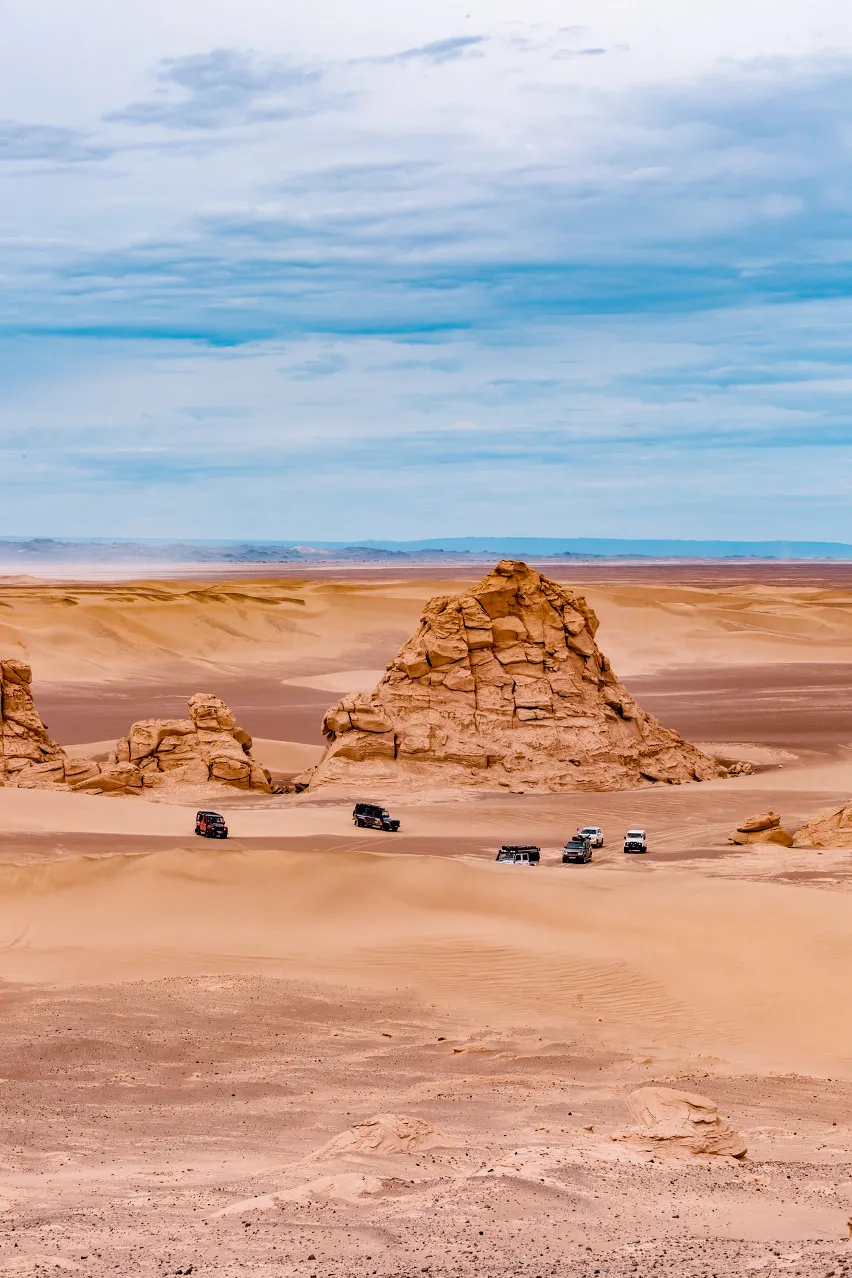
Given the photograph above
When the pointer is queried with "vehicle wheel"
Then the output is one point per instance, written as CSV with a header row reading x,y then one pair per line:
x,y
197,830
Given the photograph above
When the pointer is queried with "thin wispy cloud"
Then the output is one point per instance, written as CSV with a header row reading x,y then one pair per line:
x,y
438,51
223,88
21,142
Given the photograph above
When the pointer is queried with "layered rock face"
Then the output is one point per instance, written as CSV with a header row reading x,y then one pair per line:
x,y
834,830
504,686
208,746
28,756
673,1120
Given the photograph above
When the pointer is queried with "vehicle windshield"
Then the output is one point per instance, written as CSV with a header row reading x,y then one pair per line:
x,y
589,829
635,834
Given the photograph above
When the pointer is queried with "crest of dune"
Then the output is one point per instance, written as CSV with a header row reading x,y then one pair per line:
x,y
504,686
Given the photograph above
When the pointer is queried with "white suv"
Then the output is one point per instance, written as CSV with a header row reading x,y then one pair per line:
x,y
593,834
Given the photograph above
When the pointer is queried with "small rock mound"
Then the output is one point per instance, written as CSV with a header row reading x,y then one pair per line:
x,y
384,1134
833,830
680,1121
504,686
208,746
764,828
28,756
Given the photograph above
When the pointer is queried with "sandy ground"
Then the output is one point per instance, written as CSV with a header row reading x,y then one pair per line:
x,y
187,1025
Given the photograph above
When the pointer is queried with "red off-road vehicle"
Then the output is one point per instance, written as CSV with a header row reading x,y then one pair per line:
x,y
211,825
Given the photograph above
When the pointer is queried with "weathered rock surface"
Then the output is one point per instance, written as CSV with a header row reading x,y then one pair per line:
x,y
764,828
680,1121
208,746
833,830
28,755
384,1134
504,686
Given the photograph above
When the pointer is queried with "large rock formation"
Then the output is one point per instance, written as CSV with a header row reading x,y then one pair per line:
x,y
208,746
504,686
667,1119
28,755
766,827
833,830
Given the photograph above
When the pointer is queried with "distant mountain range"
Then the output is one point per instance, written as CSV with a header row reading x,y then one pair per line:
x,y
20,551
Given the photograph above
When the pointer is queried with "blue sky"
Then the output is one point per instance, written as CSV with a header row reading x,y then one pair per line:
x,y
324,270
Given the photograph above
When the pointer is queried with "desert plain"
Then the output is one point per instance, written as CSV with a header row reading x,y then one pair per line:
x,y
198,1035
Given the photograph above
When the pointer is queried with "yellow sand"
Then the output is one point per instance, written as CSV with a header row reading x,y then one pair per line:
x,y
755,973
101,631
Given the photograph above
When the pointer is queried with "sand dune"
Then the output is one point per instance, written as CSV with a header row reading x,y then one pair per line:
x,y
89,631
755,973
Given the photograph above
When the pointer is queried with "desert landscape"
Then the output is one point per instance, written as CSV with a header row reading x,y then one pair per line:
x,y
315,1049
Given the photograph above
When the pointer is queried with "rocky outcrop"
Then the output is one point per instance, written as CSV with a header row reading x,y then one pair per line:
x,y
679,1121
206,747
28,756
504,686
384,1134
833,830
764,828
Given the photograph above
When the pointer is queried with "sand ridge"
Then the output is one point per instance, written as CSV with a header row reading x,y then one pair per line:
x,y
88,630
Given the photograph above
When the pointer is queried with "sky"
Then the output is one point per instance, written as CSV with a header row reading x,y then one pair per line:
x,y
324,270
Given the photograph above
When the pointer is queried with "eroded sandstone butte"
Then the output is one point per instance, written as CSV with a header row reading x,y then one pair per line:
x,y
28,755
208,746
504,686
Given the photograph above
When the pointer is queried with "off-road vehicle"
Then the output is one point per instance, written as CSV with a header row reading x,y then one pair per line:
x,y
593,834
635,841
577,851
369,816
519,854
211,825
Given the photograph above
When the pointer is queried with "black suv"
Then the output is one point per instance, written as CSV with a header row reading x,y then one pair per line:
x,y
577,851
211,825
369,816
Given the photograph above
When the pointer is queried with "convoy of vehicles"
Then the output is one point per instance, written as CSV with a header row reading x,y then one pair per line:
x,y
369,816
519,854
211,825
